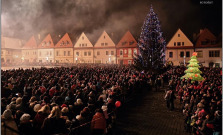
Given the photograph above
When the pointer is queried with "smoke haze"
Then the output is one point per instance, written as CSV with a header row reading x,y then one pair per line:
x,y
24,18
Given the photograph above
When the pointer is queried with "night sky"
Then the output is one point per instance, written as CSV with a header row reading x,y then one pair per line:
x,y
24,18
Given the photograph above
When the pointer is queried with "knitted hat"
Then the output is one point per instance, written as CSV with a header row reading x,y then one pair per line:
x,y
37,107
63,105
7,114
25,117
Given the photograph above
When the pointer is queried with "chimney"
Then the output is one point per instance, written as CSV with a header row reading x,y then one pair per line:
x,y
39,36
201,30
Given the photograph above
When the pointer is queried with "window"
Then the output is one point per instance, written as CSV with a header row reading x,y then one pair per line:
x,y
125,51
178,43
85,53
214,53
131,42
68,43
129,62
77,53
204,42
50,53
181,54
68,53
199,54
39,53
187,54
104,37
82,38
130,52
178,35
182,43
106,44
79,45
102,44
86,45
47,53
98,52
112,52
121,52
217,64
57,53
171,54
64,53
123,43
135,51
174,43
89,53
107,53
82,45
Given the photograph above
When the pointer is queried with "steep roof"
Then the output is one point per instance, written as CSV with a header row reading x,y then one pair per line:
x,y
47,42
64,42
206,39
31,44
127,41
83,42
179,36
104,41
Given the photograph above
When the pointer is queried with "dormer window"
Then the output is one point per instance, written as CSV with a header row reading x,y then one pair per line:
x,y
102,44
68,43
104,37
131,42
174,43
178,35
106,44
123,43
82,38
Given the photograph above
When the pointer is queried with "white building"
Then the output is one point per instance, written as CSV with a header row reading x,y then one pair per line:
x,y
29,51
179,49
83,50
209,49
46,50
104,50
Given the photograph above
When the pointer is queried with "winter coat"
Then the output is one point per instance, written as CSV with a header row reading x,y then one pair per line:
x,y
54,126
9,123
98,121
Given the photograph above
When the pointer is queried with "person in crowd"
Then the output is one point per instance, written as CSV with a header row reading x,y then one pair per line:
x,y
98,123
54,123
9,126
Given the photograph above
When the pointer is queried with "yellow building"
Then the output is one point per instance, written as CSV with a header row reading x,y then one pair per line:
x,y
11,50
64,50
104,50
83,50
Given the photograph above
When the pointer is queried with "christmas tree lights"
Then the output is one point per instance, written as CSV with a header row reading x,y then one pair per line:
x,y
151,45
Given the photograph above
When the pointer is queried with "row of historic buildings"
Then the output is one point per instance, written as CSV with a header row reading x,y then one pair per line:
x,y
68,49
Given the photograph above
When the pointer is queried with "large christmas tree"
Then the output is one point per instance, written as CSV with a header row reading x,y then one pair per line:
x,y
151,45
193,71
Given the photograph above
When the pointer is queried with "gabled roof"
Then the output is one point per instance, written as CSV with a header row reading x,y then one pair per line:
x,y
47,42
207,37
31,44
179,36
127,41
104,41
83,41
64,42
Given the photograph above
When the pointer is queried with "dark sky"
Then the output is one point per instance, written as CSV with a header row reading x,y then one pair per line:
x,y
24,18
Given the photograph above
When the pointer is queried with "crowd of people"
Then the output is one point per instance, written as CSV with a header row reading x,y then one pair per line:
x,y
201,101
68,100
82,99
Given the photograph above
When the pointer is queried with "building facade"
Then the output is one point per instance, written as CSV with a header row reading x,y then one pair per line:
x,y
104,50
83,50
11,50
209,49
46,50
64,50
179,49
126,49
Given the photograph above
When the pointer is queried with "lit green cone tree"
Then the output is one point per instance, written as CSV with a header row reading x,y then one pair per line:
x,y
193,72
